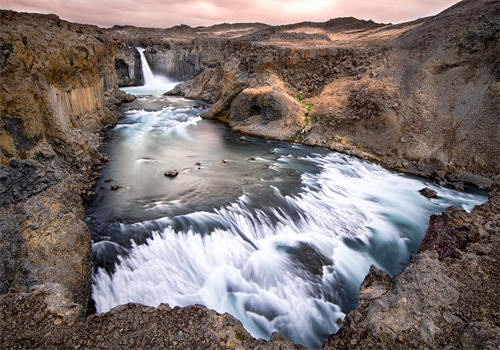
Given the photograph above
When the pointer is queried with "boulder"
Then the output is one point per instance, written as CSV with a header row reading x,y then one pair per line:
x,y
171,173
427,192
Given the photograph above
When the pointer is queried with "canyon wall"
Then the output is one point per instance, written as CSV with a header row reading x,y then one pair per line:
x,y
183,61
58,88
56,77
128,65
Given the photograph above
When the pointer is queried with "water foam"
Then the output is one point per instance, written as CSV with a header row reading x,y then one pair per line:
x,y
294,267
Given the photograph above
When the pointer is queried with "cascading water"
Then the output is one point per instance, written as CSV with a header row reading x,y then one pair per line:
x,y
276,234
153,84
149,78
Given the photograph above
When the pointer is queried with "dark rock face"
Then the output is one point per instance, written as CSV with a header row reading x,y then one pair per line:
x,y
44,240
122,71
128,66
185,60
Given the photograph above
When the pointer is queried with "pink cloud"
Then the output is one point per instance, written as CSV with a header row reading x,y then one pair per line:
x,y
166,13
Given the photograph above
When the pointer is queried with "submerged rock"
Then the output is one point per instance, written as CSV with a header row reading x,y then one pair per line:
x,y
115,187
427,192
171,173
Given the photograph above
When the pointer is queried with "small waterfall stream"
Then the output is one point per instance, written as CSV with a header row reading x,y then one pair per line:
x,y
149,78
154,84
277,234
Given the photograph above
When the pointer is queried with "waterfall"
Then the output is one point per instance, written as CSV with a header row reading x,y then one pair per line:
x,y
154,84
149,78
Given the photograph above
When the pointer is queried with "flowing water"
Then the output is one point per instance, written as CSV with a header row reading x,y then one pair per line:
x,y
153,84
277,234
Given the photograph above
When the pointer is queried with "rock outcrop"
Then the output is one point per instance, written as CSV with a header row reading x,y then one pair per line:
x,y
447,298
26,322
58,89
128,66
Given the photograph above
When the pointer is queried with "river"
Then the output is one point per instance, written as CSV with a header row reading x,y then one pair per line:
x,y
279,235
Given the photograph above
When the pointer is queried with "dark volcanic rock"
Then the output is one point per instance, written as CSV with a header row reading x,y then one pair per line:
x,y
171,173
128,65
427,192
132,326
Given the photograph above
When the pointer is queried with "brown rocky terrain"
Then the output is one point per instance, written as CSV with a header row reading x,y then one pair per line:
x,y
58,88
421,96
447,298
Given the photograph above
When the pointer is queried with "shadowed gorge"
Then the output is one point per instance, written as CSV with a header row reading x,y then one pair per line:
x,y
244,186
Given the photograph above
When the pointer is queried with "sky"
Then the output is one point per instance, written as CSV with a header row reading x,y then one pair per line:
x,y
167,13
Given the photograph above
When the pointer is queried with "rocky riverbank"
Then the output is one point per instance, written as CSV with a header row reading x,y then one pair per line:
x,y
447,297
58,90
419,96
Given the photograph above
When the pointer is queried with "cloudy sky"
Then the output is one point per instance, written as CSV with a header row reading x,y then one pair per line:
x,y
166,13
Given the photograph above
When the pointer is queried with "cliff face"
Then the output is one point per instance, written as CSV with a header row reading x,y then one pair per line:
x,y
58,87
180,52
128,66
422,96
183,61
56,77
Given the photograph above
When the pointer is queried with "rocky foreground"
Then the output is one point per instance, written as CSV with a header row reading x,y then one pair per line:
x,y
420,96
